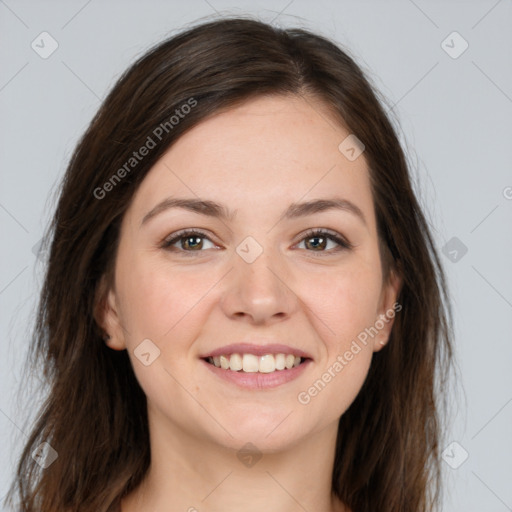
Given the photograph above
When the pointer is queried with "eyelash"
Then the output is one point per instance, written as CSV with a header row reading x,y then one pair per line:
x,y
323,233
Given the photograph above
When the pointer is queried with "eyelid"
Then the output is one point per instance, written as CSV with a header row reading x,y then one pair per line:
x,y
328,233
182,233
343,243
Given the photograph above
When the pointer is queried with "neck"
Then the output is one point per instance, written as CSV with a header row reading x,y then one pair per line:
x,y
195,474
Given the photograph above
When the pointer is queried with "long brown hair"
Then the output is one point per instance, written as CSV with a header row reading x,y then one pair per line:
x,y
94,415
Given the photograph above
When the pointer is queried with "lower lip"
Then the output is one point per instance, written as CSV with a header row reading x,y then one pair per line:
x,y
257,380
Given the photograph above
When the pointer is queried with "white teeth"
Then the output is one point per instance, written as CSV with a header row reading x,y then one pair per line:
x,y
250,363
290,360
280,362
267,363
235,362
224,362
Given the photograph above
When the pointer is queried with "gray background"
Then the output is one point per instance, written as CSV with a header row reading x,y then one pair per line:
x,y
455,119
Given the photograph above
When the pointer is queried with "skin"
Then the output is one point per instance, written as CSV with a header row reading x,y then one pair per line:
x,y
256,159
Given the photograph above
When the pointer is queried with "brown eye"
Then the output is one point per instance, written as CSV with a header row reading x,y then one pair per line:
x,y
317,241
193,242
189,241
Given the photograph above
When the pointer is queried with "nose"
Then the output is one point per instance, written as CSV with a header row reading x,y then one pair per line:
x,y
260,292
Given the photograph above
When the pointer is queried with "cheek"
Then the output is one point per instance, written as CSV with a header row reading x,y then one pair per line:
x,y
155,298
344,303
163,305
340,318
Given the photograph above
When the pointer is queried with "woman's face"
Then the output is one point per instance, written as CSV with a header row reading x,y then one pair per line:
x,y
254,276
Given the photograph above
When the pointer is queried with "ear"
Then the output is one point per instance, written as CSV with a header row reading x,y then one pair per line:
x,y
106,315
388,308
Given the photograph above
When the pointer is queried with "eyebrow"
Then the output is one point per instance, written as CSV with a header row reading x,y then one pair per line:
x,y
216,210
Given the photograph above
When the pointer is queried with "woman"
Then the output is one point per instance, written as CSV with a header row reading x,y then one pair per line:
x,y
243,306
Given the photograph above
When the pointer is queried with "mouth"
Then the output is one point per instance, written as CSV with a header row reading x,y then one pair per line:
x,y
257,366
251,363
256,372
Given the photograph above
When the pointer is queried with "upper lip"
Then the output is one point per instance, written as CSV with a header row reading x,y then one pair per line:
x,y
257,350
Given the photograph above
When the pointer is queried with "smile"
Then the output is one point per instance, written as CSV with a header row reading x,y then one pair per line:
x,y
248,371
250,363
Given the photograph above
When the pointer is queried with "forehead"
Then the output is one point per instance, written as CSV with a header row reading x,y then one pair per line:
x,y
267,152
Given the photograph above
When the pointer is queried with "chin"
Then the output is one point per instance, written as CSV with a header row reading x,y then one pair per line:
x,y
270,434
